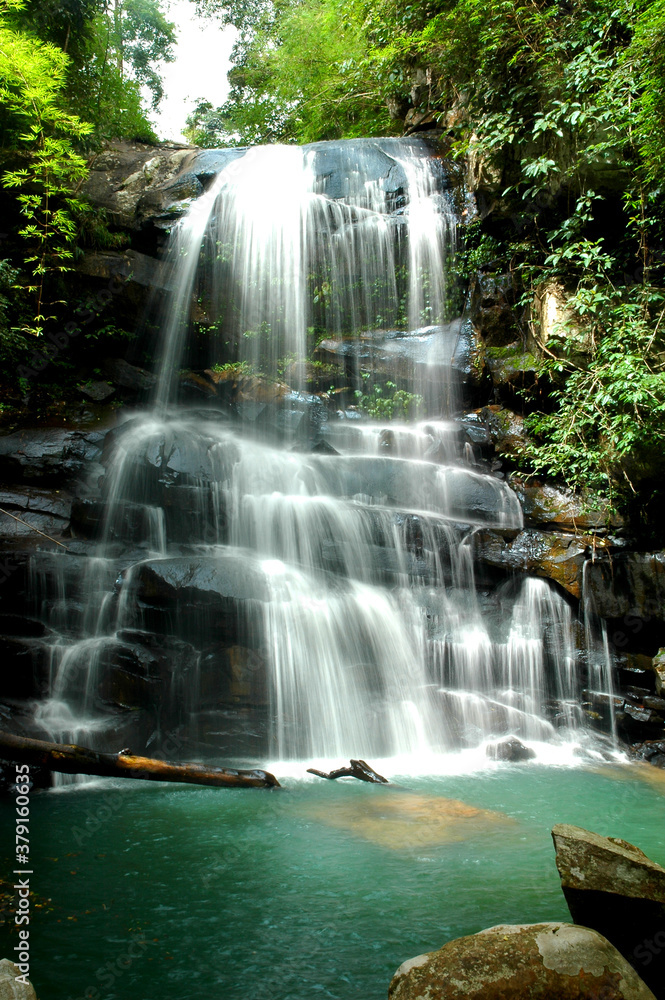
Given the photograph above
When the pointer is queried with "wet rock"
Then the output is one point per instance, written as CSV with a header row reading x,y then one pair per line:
x,y
10,987
212,599
233,676
615,888
140,670
630,585
344,167
47,455
137,380
122,521
19,625
436,357
512,368
511,750
25,667
499,427
47,511
492,308
554,555
652,751
637,669
159,456
193,387
639,722
521,962
453,491
207,163
552,506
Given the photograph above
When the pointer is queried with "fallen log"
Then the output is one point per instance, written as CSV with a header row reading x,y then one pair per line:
x,y
72,759
359,769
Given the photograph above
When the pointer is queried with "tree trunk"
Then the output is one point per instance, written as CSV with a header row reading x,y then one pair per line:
x,y
72,759
359,769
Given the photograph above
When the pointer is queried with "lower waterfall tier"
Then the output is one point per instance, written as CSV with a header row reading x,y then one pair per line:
x,y
305,604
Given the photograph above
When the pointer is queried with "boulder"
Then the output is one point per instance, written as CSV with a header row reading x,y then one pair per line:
x,y
615,888
233,676
137,380
548,961
126,173
431,356
511,750
141,670
505,428
10,989
652,751
212,599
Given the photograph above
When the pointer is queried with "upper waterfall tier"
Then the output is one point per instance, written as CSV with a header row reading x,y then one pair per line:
x,y
293,244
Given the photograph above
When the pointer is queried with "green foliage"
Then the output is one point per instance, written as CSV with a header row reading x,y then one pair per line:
x,y
32,77
239,369
10,339
125,41
301,73
608,429
382,404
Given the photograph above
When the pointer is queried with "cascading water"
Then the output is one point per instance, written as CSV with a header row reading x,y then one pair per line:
x,y
294,559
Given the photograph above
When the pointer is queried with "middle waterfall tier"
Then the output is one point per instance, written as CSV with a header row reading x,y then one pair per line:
x,y
331,593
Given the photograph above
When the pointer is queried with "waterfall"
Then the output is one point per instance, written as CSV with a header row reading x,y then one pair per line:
x,y
285,558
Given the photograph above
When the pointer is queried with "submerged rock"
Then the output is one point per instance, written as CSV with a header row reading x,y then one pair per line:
x,y
615,888
548,961
404,821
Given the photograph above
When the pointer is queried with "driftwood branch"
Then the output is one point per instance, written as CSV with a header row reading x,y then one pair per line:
x,y
359,769
72,759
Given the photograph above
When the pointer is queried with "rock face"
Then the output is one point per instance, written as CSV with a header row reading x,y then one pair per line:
x,y
548,961
614,887
554,555
631,584
135,182
48,455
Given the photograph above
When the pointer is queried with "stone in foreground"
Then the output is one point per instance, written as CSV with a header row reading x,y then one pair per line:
x,y
615,888
521,962
10,989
